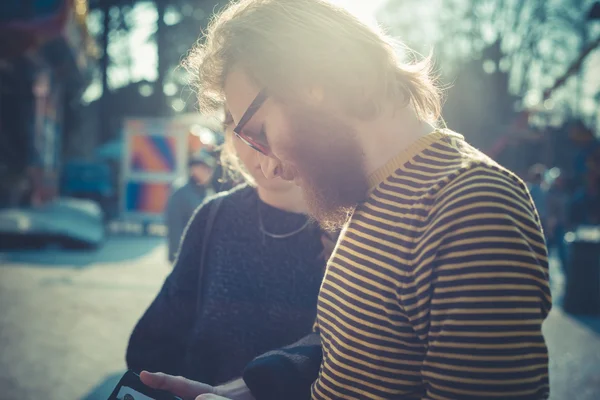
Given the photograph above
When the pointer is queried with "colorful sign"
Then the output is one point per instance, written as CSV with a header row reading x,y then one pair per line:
x,y
153,153
146,197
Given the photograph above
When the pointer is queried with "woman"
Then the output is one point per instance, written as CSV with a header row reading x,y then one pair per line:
x,y
262,272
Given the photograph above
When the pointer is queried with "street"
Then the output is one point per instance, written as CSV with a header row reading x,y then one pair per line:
x,y
66,318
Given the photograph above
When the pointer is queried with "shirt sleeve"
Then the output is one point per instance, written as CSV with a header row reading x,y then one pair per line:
x,y
286,373
159,339
484,270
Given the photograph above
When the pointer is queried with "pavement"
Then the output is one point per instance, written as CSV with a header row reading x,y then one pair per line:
x,y
66,317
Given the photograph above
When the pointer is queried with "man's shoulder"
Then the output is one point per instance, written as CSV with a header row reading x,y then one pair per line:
x,y
448,166
484,194
179,184
453,160
181,189
177,195
479,177
475,165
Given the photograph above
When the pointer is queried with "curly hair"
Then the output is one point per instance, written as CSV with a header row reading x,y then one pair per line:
x,y
287,46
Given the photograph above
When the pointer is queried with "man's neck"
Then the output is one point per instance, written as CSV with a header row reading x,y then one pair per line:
x,y
386,137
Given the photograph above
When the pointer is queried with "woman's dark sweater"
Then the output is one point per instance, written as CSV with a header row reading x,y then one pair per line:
x,y
258,293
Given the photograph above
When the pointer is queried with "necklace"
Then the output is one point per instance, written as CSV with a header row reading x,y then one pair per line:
x,y
261,226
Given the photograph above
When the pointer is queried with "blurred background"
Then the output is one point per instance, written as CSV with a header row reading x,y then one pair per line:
x,y
98,124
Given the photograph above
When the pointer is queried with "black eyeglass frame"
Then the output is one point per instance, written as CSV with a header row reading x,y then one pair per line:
x,y
252,109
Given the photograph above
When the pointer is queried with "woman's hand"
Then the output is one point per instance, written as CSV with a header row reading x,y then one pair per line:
x,y
180,386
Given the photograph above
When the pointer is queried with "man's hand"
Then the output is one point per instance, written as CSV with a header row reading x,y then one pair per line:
x,y
180,386
234,390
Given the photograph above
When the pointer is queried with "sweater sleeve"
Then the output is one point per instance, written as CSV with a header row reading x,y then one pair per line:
x,y
485,265
287,373
159,339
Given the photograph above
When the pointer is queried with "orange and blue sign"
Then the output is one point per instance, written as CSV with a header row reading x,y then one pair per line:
x,y
153,153
146,197
156,153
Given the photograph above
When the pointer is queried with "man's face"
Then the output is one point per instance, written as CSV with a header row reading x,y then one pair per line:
x,y
201,173
316,150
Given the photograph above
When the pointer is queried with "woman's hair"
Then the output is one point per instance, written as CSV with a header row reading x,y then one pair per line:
x,y
287,46
232,166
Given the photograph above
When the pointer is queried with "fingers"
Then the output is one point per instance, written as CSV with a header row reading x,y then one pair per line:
x,y
177,385
211,397
156,380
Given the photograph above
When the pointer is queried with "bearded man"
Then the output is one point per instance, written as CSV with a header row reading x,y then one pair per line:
x,y
438,286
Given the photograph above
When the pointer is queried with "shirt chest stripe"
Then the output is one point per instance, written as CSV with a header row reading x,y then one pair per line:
x,y
388,259
358,267
359,226
364,296
383,294
371,357
372,265
344,367
360,326
332,328
325,385
358,310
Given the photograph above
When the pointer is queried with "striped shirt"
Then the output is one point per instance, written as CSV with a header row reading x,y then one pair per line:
x,y
438,286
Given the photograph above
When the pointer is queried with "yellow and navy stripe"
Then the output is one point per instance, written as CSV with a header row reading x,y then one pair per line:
x,y
439,284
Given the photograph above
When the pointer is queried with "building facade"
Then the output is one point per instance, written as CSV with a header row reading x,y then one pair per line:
x,y
46,56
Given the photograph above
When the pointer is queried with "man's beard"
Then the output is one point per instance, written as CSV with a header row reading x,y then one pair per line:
x,y
328,160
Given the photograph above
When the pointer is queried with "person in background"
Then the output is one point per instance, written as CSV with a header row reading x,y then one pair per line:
x,y
539,192
586,146
263,268
585,207
558,199
23,193
186,197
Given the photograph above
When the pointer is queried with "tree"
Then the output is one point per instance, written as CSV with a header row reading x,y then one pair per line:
x,y
539,39
105,7
178,25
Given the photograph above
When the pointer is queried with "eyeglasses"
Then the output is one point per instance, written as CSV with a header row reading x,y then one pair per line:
x,y
259,145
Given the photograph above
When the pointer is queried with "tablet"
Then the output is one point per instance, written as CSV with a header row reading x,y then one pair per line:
x,y
130,387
